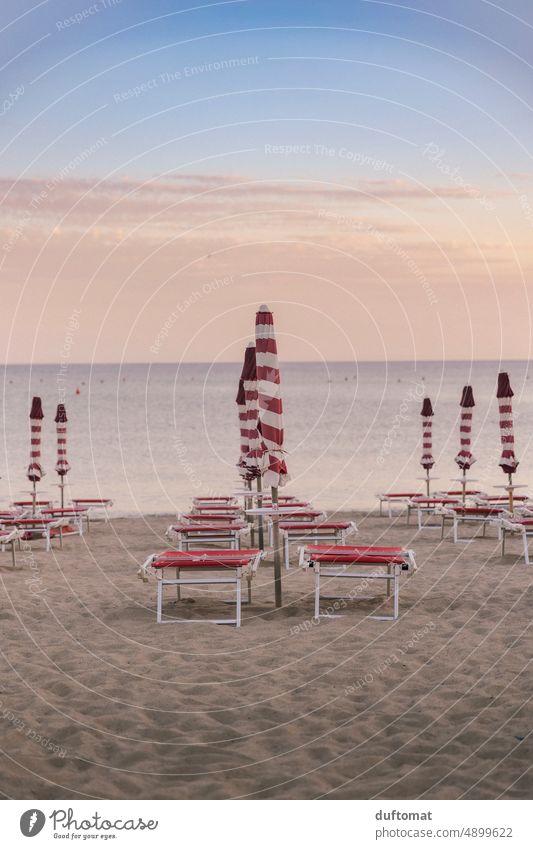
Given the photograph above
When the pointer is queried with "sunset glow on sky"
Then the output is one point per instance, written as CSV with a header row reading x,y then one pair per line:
x,y
363,167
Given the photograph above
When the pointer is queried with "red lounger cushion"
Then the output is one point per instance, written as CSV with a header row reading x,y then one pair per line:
x,y
199,529
505,498
91,500
209,552
209,517
478,511
284,514
33,522
205,559
314,526
423,501
356,558
355,549
400,494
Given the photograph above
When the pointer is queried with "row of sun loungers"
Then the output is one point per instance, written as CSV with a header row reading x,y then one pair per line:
x,y
21,524
220,522
480,510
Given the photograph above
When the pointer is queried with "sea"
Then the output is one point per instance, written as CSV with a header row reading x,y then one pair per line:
x,y
153,436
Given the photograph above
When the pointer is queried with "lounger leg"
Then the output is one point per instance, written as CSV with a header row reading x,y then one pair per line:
x,y
249,582
396,592
238,610
48,541
503,541
389,572
420,526
317,595
526,550
286,550
159,600
60,537
408,514
455,529
442,529
13,555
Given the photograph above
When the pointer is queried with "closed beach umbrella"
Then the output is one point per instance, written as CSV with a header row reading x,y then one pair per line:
x,y
270,402
465,459
271,421
427,462
508,461
62,465
35,470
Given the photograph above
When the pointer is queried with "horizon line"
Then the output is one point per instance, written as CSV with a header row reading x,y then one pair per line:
x,y
60,364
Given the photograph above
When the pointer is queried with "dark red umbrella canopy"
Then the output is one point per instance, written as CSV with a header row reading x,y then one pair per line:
x,y
427,462
35,470
62,466
504,393
465,458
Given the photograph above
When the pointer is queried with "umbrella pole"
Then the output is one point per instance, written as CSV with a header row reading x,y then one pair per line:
x,y
427,482
34,498
511,499
248,503
260,504
277,551
463,483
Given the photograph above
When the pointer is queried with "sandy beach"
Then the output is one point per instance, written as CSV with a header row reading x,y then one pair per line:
x,y
97,701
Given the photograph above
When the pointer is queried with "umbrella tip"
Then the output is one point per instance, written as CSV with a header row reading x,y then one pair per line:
x,y
251,345
264,308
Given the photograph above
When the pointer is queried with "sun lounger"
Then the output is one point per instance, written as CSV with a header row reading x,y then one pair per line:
x,y
363,563
215,500
296,531
425,506
290,515
209,518
39,526
75,515
97,507
500,499
10,537
390,498
28,505
233,564
480,516
512,525
187,535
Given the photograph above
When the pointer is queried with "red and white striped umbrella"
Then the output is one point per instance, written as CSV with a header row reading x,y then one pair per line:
x,y
62,465
270,402
508,461
255,456
427,462
35,470
465,458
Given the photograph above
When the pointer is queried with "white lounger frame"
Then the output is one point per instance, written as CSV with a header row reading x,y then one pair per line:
x,y
389,500
189,540
507,526
392,575
458,518
233,578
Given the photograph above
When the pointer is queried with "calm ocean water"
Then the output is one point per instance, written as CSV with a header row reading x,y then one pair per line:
x,y
152,437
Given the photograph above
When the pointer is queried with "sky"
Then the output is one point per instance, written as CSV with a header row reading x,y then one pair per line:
x,y
362,167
